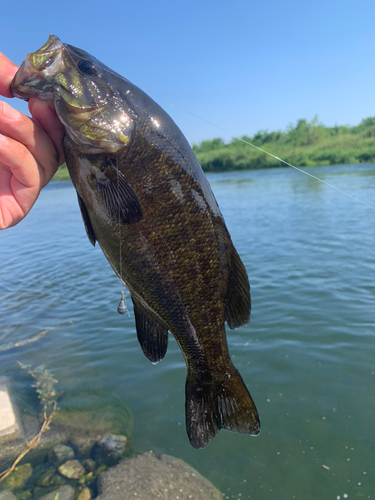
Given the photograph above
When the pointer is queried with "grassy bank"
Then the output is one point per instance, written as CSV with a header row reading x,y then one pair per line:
x,y
62,174
307,144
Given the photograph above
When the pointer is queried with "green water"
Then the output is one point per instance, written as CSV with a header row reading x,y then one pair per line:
x,y
308,355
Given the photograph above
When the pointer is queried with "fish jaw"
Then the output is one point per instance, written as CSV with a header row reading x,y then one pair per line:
x,y
35,77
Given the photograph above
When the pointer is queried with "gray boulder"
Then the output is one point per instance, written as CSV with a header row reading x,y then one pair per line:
x,y
148,477
10,428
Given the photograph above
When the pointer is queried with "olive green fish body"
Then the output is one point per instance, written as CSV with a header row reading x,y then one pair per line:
x,y
144,198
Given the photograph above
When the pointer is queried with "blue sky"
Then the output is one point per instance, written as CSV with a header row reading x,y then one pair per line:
x,y
241,65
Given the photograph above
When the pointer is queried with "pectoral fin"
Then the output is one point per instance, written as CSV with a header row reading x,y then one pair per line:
x,y
152,336
116,197
86,219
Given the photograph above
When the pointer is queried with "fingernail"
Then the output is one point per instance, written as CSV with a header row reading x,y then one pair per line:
x,y
9,112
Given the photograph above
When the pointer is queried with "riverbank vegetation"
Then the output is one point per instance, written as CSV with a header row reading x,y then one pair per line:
x,y
306,144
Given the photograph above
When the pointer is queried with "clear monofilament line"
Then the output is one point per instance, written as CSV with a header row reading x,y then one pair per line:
x,y
265,152
119,215
279,159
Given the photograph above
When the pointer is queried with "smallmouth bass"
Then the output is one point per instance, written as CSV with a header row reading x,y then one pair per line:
x,y
143,196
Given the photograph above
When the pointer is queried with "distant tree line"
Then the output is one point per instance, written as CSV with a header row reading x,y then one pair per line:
x,y
306,144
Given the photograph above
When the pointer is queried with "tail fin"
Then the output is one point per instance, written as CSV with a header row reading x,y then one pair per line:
x,y
224,404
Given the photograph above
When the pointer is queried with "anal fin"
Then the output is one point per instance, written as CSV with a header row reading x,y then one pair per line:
x,y
152,336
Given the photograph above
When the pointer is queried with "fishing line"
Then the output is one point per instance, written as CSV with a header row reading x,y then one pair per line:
x,y
255,147
121,308
277,158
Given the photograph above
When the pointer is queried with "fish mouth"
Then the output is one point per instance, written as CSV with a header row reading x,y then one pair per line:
x,y
38,77
47,55
31,79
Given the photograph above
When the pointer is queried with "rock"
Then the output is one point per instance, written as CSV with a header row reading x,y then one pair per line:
x,y
65,493
18,478
148,477
60,454
101,469
10,451
7,495
89,465
24,495
71,469
85,494
38,492
110,449
92,417
45,478
9,425
89,418
51,480
84,444
87,479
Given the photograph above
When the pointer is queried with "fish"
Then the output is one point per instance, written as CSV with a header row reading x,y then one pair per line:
x,y
144,198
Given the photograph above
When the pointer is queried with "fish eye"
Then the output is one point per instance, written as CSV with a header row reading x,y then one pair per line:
x,y
86,67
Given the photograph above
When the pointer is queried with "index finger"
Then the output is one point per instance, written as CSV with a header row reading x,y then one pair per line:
x,y
7,72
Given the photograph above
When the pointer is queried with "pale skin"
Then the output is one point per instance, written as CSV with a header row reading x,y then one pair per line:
x,y
30,151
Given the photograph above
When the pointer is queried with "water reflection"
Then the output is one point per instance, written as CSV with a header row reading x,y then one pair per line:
x,y
307,355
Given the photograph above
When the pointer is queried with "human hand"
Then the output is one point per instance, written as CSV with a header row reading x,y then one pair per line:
x,y
30,151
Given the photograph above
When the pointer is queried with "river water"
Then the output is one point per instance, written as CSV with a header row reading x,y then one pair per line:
x,y
308,355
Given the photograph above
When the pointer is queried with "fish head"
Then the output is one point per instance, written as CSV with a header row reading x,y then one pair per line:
x,y
84,91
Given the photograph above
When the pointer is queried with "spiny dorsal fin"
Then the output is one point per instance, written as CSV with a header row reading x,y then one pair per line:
x,y
152,336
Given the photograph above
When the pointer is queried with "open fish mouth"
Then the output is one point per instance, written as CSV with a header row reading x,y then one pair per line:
x,y
33,79
43,74
47,56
